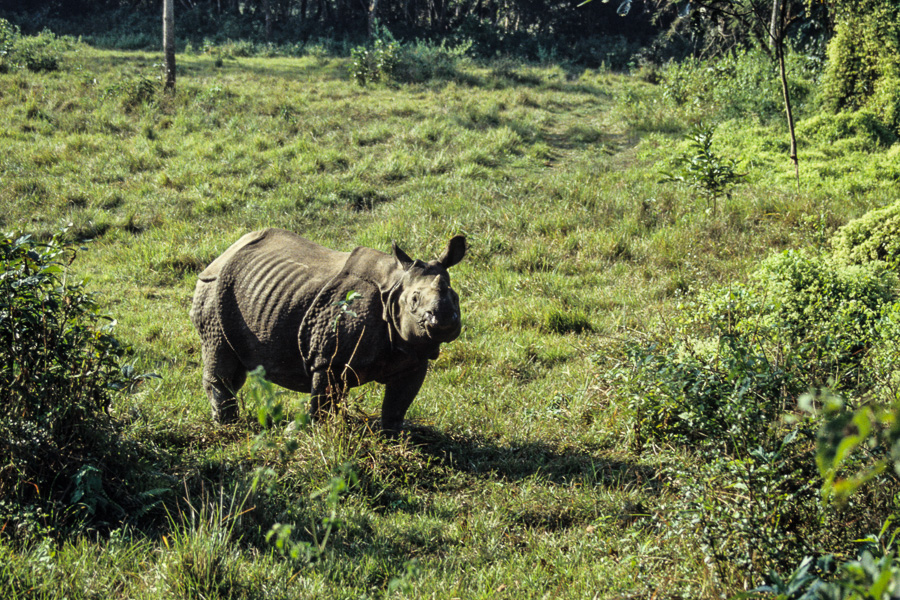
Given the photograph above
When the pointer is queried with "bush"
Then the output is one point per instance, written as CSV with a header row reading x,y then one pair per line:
x,y
863,125
59,365
873,574
375,63
695,391
873,237
424,61
864,61
8,35
826,309
735,86
737,357
387,60
756,512
729,379
42,52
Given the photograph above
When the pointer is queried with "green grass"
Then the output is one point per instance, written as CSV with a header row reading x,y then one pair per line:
x,y
520,478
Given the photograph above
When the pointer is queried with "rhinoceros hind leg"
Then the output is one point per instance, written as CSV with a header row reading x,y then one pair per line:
x,y
223,376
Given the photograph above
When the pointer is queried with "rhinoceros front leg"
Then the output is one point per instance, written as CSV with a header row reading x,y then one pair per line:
x,y
223,376
324,392
398,395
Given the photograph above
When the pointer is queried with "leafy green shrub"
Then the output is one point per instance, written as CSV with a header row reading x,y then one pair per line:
x,y
375,63
729,377
825,313
874,574
702,169
8,35
885,99
737,357
863,68
424,61
59,365
387,60
882,363
864,125
39,53
738,85
688,393
755,512
828,310
42,52
873,237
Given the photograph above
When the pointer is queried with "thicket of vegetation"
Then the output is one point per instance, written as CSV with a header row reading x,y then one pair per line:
x,y
678,374
548,30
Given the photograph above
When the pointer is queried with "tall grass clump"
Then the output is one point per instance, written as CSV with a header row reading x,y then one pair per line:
x,y
422,61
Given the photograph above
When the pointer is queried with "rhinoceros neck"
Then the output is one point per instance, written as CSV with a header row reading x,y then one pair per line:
x,y
375,267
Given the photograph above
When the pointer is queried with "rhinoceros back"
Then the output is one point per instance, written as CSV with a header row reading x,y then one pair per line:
x,y
264,285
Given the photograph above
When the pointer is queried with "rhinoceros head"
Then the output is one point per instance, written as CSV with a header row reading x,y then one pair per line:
x,y
426,308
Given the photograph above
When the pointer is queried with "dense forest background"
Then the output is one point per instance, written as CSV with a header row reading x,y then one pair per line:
x,y
590,34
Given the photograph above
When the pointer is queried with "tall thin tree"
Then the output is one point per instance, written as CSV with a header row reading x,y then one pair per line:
x,y
267,13
777,29
373,17
169,43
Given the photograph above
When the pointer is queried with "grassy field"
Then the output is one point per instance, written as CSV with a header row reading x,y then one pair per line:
x,y
521,476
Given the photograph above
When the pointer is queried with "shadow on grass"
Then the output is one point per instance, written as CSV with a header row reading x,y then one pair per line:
x,y
556,463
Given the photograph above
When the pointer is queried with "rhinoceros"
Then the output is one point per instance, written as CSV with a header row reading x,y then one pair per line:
x,y
321,321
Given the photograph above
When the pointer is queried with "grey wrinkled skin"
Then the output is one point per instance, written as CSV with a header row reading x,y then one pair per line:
x,y
271,300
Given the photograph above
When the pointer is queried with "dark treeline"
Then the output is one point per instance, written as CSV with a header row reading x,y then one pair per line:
x,y
493,26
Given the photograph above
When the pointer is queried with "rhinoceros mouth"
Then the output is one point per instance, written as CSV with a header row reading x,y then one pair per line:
x,y
440,330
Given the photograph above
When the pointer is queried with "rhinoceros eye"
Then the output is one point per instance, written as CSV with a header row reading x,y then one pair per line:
x,y
414,300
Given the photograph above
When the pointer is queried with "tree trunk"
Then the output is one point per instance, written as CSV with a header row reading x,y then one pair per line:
x,y
373,18
169,43
776,32
776,19
787,108
267,12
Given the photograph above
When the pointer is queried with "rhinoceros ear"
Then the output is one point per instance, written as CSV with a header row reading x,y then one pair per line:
x,y
401,256
456,249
